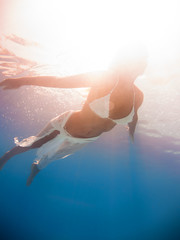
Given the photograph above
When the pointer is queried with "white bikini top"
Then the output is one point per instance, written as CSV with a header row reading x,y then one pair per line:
x,y
101,107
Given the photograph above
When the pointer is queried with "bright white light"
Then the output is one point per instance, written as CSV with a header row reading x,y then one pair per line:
x,y
97,28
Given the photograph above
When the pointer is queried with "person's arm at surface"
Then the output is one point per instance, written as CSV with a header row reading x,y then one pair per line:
x,y
75,81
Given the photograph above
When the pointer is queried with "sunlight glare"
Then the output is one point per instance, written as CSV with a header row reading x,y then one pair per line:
x,y
95,30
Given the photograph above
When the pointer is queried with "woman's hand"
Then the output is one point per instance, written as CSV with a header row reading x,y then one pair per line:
x,y
11,83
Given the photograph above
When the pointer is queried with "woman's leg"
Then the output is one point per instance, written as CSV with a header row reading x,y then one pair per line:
x,y
34,168
34,171
14,151
18,149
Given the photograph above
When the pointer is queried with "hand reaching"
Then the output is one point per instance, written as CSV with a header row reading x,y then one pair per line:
x,y
11,83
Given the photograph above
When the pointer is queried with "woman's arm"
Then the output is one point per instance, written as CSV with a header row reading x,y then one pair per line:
x,y
132,126
76,81
138,101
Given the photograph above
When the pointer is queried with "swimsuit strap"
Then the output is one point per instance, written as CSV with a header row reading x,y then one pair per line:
x,y
115,85
68,114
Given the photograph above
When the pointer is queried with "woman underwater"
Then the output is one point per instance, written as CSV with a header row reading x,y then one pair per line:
x,y
113,99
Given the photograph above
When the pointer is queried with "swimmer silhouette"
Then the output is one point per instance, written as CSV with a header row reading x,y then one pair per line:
x,y
113,99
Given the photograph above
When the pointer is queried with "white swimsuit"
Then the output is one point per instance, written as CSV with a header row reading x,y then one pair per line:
x,y
64,144
101,107
59,147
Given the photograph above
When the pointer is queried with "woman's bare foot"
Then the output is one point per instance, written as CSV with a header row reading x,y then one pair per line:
x,y
34,172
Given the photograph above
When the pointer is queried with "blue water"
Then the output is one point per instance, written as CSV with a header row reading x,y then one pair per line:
x,y
110,190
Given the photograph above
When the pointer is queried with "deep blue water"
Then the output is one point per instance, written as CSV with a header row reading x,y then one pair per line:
x,y
110,190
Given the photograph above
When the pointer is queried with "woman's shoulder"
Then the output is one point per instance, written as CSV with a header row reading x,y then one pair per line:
x,y
101,78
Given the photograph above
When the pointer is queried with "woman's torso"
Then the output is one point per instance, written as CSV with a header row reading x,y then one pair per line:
x,y
86,123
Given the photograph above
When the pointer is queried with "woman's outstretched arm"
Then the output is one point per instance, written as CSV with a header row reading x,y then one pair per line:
x,y
75,81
